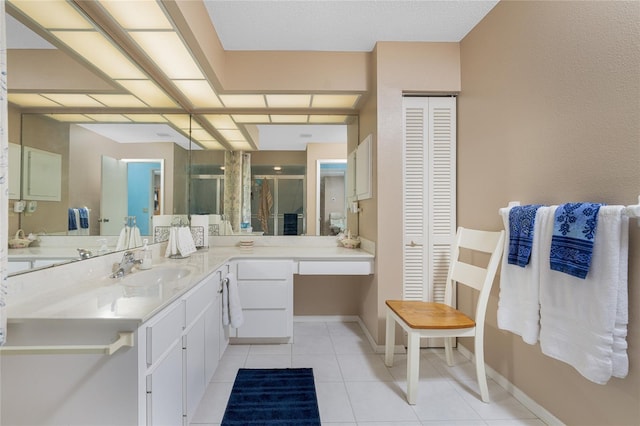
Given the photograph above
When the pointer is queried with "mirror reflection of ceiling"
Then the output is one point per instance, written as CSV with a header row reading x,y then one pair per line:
x,y
148,62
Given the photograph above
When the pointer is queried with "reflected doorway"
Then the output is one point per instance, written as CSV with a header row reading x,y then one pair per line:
x,y
130,188
287,213
331,200
207,194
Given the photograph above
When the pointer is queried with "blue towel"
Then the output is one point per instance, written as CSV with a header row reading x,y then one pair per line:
x,y
521,224
72,220
84,217
574,230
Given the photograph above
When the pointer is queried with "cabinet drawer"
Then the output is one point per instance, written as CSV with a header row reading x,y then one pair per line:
x,y
261,295
264,270
335,267
164,331
258,323
198,299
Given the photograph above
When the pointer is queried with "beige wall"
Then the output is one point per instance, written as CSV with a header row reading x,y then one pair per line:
x,y
52,136
399,68
550,112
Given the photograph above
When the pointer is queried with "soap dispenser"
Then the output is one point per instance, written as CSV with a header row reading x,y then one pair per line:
x,y
147,256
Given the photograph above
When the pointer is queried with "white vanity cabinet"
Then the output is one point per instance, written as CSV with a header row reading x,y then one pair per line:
x,y
266,294
183,348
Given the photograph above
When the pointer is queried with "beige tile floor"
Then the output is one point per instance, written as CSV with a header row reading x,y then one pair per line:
x,y
354,387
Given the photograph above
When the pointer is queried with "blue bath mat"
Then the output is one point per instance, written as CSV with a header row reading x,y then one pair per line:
x,y
284,396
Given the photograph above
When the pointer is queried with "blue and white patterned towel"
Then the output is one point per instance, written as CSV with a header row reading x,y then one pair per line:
x,y
574,231
521,224
83,212
73,224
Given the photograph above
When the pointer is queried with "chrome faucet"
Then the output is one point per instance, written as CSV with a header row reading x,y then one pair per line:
x,y
126,264
84,253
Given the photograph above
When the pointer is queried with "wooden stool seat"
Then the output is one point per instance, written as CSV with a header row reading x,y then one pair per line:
x,y
429,315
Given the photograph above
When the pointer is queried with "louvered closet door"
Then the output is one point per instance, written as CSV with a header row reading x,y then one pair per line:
x,y
429,195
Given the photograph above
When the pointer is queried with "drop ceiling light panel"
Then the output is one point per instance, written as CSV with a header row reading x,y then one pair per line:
x,y
334,101
199,93
221,121
288,101
138,15
73,100
119,101
53,14
31,100
166,49
146,118
148,92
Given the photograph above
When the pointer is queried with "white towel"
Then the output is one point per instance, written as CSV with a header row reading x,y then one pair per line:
x,y
225,302
236,319
123,239
201,221
519,303
172,244
135,239
186,246
583,322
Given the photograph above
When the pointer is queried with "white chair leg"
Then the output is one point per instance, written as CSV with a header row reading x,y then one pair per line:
x,y
448,350
480,370
413,366
390,339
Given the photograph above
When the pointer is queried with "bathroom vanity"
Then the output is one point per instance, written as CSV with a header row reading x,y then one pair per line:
x,y
87,349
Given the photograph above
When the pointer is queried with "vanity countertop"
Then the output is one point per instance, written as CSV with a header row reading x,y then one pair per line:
x,y
82,290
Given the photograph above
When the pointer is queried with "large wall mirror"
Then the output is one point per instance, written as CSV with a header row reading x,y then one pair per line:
x,y
118,172
116,131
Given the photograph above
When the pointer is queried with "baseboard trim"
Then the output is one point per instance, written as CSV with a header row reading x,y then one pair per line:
x,y
524,399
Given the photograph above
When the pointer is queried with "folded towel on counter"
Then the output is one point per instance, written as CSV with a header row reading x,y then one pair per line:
x,y
180,242
73,221
573,237
521,232
186,245
200,229
135,239
583,322
519,301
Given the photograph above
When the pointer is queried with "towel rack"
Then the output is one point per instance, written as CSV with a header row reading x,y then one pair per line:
x,y
632,211
125,339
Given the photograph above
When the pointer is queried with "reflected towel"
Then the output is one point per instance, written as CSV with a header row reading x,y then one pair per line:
x,y
83,212
123,239
172,245
519,300
135,239
186,246
583,322
73,222
574,232
266,203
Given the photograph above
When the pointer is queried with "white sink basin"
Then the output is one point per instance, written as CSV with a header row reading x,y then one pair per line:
x,y
155,276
